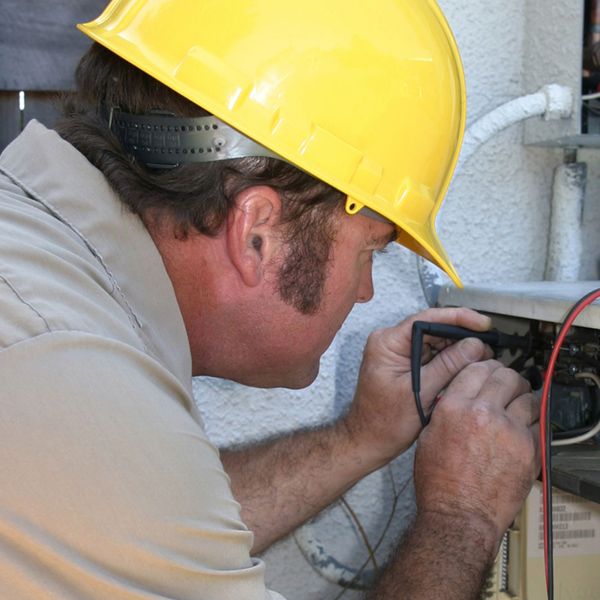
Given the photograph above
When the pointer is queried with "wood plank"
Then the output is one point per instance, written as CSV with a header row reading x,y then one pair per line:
x,y
10,117
39,44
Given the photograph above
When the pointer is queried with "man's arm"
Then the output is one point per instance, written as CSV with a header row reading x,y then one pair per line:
x,y
442,557
282,483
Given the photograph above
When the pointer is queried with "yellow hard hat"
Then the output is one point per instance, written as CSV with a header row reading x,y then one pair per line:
x,y
366,96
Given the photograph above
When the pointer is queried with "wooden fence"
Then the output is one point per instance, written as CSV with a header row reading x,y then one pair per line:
x,y
39,49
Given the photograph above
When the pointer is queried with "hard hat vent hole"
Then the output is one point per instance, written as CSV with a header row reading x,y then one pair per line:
x,y
352,206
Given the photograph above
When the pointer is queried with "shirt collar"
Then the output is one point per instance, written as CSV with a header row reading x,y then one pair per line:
x,y
78,193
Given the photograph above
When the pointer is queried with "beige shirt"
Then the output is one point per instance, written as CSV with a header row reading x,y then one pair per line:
x,y
109,487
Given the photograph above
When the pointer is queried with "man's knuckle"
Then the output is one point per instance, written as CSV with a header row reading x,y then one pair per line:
x,y
446,407
449,362
471,349
429,314
483,416
506,377
478,370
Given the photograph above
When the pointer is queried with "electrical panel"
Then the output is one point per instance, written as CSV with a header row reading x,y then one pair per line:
x,y
537,309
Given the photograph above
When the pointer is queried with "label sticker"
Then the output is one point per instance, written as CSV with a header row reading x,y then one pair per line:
x,y
576,524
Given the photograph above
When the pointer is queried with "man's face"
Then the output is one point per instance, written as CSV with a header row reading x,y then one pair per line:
x,y
296,340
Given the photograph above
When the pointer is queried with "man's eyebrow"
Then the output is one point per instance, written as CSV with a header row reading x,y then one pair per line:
x,y
383,240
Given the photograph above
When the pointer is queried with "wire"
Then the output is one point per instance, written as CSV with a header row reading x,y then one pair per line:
x,y
363,533
590,433
569,433
591,108
493,338
591,376
422,416
580,438
591,96
397,493
546,436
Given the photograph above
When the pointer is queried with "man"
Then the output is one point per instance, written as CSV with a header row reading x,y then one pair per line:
x,y
148,241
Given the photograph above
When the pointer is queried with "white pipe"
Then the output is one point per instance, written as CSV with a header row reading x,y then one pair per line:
x,y
565,243
552,102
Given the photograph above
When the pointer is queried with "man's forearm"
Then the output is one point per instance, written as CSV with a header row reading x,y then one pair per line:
x,y
282,483
441,557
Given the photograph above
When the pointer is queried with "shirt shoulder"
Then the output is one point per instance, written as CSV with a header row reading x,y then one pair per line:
x,y
127,492
49,279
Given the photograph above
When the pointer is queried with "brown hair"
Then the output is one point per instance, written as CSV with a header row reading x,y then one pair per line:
x,y
197,195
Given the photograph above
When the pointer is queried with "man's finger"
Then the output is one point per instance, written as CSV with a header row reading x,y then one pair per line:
x,y
525,409
503,386
461,317
451,363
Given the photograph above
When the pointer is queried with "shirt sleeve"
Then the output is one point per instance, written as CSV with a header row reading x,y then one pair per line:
x,y
108,487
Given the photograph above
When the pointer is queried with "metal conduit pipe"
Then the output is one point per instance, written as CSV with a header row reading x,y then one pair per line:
x,y
565,242
552,102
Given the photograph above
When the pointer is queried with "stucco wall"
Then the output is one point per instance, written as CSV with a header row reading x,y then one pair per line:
x,y
494,225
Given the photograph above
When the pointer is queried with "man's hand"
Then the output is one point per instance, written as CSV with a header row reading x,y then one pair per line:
x,y
383,419
480,454
474,466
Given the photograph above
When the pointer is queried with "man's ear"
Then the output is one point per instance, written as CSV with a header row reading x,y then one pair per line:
x,y
252,232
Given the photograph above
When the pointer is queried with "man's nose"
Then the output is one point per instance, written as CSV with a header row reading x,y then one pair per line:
x,y
365,289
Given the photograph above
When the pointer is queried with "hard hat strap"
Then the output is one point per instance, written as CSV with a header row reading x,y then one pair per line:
x,y
365,211
163,141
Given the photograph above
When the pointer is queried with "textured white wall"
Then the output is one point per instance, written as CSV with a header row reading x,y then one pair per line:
x,y
494,224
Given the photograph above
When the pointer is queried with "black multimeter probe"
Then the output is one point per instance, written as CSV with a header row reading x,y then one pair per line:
x,y
493,338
